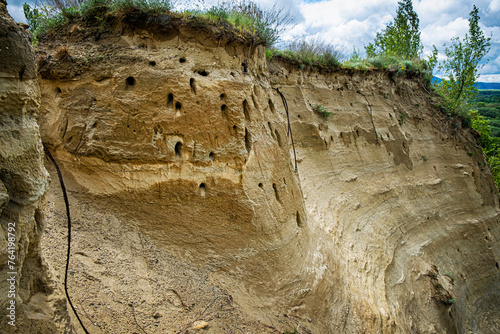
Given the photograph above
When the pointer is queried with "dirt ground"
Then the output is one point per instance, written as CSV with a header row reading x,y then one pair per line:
x,y
121,282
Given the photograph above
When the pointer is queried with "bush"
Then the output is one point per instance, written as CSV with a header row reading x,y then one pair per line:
x,y
319,109
248,17
143,6
315,53
94,10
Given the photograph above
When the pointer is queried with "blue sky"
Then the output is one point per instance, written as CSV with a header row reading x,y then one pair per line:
x,y
353,23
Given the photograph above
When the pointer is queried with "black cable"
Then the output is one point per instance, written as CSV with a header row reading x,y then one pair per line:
x,y
289,132
66,201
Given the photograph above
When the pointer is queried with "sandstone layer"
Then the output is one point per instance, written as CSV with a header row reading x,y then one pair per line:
x,y
30,301
389,224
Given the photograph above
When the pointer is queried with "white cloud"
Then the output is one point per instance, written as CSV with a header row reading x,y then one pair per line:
x,y
439,34
489,78
494,6
335,12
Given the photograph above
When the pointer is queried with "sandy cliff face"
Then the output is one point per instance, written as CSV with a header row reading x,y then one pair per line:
x,y
389,225
29,299
398,191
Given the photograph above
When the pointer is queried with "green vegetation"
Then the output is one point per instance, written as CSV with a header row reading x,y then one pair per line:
x,y
488,143
402,118
236,19
400,38
487,103
316,53
319,109
459,91
462,65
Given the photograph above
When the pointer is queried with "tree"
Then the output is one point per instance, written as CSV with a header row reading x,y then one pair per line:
x,y
462,65
400,38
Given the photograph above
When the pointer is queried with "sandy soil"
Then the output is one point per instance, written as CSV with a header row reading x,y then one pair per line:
x,y
121,282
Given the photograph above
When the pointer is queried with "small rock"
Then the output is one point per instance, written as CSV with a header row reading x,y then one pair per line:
x,y
199,324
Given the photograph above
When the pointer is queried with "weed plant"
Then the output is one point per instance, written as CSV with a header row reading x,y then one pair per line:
x,y
319,109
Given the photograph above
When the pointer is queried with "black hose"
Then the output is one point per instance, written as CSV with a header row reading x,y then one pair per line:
x,y
66,201
289,132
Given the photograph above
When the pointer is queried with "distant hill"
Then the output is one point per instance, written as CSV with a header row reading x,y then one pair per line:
x,y
488,85
479,85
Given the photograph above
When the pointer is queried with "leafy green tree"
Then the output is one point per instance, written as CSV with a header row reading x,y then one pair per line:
x,y
490,148
463,64
400,38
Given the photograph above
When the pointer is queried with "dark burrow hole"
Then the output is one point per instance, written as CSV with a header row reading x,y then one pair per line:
x,y
299,220
178,106
246,110
193,85
271,106
298,116
182,60
248,142
202,186
223,107
211,156
496,265
170,100
178,149
202,73
261,185
152,63
58,90
245,67
235,128
130,81
222,96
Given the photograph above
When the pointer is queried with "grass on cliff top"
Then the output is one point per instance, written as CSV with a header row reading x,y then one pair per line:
x,y
317,54
235,19
241,20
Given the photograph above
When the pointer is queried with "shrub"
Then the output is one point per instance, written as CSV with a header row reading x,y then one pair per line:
x,y
94,10
317,52
143,6
314,53
318,108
